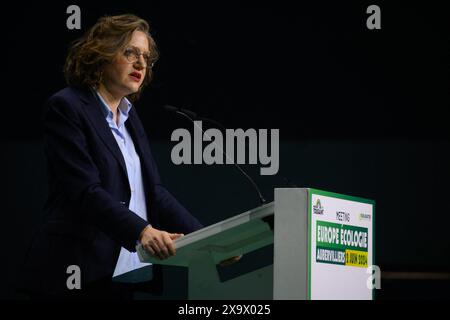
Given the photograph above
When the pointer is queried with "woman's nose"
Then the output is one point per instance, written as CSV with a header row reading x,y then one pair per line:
x,y
140,62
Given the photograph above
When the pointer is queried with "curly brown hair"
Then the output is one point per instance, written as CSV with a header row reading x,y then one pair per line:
x,y
100,45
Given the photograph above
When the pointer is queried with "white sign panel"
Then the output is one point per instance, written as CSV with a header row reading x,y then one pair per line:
x,y
341,246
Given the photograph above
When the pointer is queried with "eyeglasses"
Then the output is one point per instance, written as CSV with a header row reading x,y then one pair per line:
x,y
133,54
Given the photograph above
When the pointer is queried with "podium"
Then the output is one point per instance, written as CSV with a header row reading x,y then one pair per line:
x,y
323,246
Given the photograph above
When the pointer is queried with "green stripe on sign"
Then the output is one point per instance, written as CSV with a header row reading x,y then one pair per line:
x,y
341,236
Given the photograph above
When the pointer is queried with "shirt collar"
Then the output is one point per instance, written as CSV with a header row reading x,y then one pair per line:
x,y
124,108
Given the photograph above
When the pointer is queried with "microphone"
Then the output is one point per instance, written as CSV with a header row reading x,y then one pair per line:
x,y
192,116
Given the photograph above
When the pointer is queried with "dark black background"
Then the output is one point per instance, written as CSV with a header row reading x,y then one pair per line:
x,y
360,112
257,65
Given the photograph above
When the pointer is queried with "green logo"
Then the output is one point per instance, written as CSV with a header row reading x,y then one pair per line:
x,y
318,209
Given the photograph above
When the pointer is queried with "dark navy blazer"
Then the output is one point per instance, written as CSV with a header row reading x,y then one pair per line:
x,y
87,219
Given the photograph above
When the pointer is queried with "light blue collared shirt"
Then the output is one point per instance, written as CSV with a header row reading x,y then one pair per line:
x,y
127,261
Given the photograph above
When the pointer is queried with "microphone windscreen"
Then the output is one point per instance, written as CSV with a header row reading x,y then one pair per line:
x,y
170,108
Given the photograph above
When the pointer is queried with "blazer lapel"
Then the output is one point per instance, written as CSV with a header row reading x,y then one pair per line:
x,y
135,134
94,111
139,140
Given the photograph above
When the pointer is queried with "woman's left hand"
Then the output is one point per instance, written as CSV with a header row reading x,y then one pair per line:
x,y
230,261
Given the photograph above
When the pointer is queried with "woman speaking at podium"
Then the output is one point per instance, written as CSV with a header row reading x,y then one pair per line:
x,y
105,194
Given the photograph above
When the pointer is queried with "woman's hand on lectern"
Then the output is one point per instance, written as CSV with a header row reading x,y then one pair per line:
x,y
159,243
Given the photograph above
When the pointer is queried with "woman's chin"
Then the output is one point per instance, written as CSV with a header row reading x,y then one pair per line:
x,y
132,89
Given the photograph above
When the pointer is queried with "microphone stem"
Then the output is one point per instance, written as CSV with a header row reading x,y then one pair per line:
x,y
260,196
